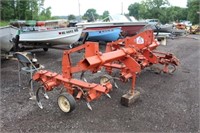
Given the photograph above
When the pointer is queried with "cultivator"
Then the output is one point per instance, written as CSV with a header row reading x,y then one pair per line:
x,y
130,55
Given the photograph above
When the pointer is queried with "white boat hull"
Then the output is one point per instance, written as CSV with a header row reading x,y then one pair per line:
x,y
7,33
54,36
108,24
128,28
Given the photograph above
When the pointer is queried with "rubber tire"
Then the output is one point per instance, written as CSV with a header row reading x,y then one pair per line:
x,y
70,99
45,49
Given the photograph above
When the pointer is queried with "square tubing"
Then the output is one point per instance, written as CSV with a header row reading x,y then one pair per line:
x,y
132,95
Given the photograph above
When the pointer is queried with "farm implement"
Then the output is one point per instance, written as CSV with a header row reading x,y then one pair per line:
x,y
129,55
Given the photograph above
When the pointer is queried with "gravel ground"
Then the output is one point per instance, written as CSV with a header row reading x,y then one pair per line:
x,y
168,103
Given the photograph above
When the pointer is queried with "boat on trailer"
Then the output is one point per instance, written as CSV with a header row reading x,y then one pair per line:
x,y
14,39
107,35
67,36
128,27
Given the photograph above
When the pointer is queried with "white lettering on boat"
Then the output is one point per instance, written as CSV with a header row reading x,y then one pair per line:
x,y
68,31
108,30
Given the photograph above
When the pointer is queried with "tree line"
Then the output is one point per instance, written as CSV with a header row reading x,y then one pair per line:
x,y
157,9
161,9
24,10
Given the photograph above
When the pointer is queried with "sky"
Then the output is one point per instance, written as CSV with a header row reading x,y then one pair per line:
x,y
66,7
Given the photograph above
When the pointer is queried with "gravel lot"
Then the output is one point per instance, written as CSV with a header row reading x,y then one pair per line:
x,y
168,103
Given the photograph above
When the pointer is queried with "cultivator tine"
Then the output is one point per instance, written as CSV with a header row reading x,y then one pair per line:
x,y
116,86
89,106
114,81
38,98
40,104
31,93
44,93
108,95
82,77
46,96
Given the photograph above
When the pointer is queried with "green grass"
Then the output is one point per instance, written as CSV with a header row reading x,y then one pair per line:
x,y
4,23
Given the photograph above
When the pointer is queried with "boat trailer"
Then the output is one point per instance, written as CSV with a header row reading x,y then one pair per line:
x,y
130,55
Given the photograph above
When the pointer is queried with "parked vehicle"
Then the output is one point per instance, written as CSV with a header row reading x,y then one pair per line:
x,y
153,21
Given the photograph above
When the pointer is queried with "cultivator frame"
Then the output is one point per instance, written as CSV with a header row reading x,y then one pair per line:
x,y
130,55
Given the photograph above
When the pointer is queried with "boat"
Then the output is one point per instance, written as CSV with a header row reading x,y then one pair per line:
x,y
7,33
23,23
32,34
107,35
59,23
163,28
128,27
68,35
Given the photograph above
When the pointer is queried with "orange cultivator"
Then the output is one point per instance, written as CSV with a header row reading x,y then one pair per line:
x,y
129,55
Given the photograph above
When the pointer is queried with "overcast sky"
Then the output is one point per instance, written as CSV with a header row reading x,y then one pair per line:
x,y
66,7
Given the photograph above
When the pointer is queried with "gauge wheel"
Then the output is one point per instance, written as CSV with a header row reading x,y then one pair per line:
x,y
66,102
106,78
171,68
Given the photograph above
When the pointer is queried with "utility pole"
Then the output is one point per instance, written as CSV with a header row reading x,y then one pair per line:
x,y
122,10
79,10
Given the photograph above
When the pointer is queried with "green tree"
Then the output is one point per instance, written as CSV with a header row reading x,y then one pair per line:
x,y
91,15
143,11
105,14
71,17
162,10
154,7
21,9
134,10
7,9
156,3
45,14
149,9
175,13
193,8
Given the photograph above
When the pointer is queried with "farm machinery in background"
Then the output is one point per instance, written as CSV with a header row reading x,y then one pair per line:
x,y
129,55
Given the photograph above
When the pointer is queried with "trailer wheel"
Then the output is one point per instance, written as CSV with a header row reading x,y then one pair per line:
x,y
45,49
66,102
106,78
